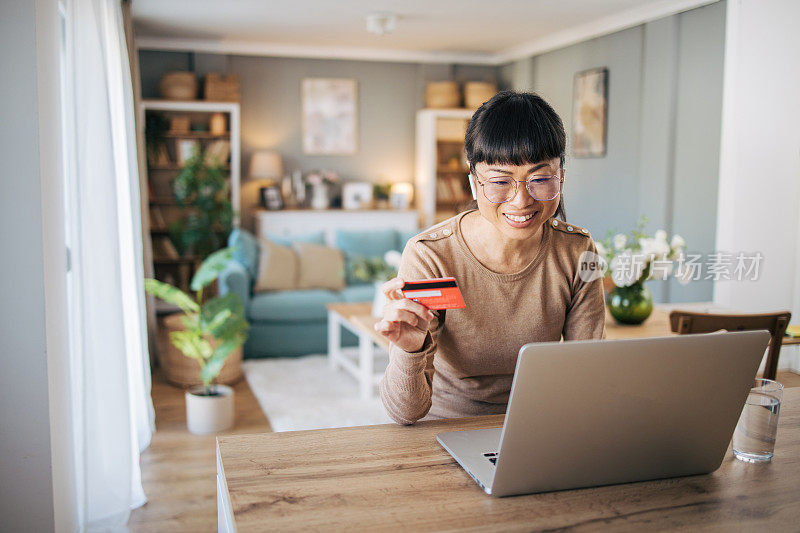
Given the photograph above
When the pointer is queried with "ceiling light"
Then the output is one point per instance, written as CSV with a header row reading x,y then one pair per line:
x,y
381,23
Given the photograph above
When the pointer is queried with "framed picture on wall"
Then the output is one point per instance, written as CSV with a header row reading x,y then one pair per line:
x,y
590,113
329,116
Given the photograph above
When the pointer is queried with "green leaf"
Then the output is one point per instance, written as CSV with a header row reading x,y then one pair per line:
x,y
214,365
170,294
210,268
191,344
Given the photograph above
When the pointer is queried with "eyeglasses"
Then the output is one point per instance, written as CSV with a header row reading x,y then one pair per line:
x,y
542,187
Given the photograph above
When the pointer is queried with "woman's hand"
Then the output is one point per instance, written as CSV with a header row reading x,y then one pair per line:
x,y
405,322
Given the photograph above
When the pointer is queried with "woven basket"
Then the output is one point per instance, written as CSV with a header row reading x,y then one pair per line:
x,y
478,92
221,88
178,85
183,371
442,94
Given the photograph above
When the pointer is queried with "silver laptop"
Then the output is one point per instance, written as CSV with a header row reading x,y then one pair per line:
x,y
590,413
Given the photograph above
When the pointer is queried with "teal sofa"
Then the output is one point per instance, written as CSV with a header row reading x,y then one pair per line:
x,y
292,323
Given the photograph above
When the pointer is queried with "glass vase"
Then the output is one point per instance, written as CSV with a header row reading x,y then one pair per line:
x,y
630,305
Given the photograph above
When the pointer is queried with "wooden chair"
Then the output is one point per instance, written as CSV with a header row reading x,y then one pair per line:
x,y
684,322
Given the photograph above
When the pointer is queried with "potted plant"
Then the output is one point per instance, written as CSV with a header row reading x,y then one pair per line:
x,y
214,329
378,271
202,188
630,260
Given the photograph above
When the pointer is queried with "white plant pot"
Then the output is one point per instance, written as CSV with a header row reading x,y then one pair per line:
x,y
209,414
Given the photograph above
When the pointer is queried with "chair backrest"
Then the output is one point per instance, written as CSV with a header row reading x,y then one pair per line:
x,y
684,322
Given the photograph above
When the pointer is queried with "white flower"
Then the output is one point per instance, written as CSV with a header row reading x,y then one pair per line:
x,y
601,250
626,268
655,248
392,258
677,241
620,240
661,235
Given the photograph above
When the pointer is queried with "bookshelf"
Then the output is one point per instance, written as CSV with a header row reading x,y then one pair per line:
x,y
441,170
182,127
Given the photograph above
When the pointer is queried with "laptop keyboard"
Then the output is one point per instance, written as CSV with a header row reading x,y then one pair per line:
x,y
492,457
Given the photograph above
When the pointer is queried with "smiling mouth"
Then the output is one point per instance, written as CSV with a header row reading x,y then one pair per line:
x,y
516,218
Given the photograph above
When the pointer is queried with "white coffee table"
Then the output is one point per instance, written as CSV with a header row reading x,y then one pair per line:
x,y
355,317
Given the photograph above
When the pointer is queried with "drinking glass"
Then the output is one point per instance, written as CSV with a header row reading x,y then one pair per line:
x,y
754,438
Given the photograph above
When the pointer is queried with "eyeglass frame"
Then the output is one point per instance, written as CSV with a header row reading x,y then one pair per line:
x,y
560,177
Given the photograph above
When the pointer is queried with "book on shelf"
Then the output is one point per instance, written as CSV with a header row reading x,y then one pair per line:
x,y
443,190
157,221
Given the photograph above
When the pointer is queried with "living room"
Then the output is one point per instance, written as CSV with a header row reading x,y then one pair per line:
x,y
276,168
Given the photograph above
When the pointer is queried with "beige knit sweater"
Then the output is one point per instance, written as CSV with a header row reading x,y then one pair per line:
x,y
466,365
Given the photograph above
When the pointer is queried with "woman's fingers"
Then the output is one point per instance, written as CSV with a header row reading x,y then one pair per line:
x,y
414,307
391,289
395,314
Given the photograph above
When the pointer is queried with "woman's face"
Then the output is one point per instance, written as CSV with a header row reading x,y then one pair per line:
x,y
522,216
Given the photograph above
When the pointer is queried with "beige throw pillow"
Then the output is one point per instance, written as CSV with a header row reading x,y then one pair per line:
x,y
277,267
320,267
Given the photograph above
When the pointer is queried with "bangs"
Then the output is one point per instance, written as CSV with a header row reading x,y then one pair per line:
x,y
515,129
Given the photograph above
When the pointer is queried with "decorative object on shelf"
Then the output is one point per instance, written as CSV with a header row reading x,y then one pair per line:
x,y
217,124
199,127
202,187
378,271
214,329
478,92
220,88
299,187
155,127
322,182
401,195
357,195
329,116
442,94
178,85
187,148
271,197
380,193
631,260
179,124
589,105
218,152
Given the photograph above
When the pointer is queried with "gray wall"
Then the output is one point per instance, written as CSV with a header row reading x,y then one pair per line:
x,y
26,490
664,113
389,94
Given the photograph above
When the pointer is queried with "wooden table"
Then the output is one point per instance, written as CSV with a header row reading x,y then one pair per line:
x,y
392,477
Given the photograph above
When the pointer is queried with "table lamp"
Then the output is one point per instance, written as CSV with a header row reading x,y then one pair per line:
x,y
400,195
265,165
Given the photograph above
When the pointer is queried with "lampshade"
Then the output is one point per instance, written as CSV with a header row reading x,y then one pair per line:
x,y
266,164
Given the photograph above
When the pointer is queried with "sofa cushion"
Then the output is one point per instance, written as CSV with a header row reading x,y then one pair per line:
x,y
284,306
355,244
246,250
358,293
314,237
319,267
277,267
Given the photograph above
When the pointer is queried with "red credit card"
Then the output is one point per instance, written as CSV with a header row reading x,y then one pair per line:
x,y
436,294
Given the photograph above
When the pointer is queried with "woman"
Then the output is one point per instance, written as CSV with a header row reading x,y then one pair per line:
x,y
516,266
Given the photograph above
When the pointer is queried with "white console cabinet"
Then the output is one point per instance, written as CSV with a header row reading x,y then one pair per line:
x,y
288,222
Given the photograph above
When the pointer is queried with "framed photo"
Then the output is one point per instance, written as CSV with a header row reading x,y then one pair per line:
x,y
590,113
357,195
329,116
271,197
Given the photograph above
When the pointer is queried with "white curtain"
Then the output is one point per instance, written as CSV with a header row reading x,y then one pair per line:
x,y
111,387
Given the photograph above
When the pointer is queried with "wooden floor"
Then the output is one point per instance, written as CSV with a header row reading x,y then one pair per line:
x,y
179,469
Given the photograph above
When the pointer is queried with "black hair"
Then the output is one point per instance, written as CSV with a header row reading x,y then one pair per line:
x,y
516,128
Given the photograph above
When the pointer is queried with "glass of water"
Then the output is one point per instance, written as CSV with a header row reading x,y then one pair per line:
x,y
754,438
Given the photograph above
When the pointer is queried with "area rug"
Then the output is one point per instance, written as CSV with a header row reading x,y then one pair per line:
x,y
298,393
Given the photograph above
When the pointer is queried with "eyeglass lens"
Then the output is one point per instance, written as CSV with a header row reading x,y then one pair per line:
x,y
542,188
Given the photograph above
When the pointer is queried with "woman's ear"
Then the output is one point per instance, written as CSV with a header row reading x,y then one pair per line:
x,y
471,180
